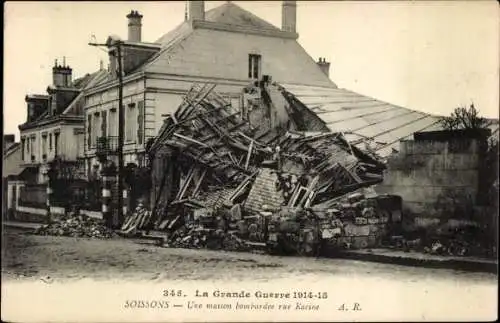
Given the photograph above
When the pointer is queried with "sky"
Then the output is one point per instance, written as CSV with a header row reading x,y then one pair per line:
x,y
429,56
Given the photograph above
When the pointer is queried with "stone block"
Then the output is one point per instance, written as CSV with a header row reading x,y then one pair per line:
x,y
424,147
426,222
360,242
357,230
419,208
457,161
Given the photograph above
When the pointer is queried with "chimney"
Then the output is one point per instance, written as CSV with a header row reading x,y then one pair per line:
x,y
196,10
324,65
134,26
289,16
61,74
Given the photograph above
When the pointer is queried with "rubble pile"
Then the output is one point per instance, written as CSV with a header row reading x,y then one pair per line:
x,y
222,178
463,240
75,225
223,230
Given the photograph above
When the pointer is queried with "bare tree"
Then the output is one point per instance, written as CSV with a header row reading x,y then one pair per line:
x,y
464,118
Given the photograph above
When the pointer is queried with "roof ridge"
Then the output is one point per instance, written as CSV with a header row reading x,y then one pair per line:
x,y
215,15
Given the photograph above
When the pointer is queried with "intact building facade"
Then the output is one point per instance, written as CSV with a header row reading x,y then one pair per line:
x,y
54,127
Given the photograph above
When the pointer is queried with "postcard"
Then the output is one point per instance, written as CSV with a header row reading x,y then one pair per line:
x,y
250,161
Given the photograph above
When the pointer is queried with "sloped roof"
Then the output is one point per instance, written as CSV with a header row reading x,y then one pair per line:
x,y
12,161
228,14
11,147
224,55
221,54
181,30
231,14
84,83
365,120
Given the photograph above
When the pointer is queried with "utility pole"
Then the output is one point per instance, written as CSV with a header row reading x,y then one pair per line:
x,y
121,121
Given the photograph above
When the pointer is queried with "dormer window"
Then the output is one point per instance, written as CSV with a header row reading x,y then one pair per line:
x,y
254,61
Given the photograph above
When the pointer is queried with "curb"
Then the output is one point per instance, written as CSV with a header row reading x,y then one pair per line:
x,y
28,226
455,264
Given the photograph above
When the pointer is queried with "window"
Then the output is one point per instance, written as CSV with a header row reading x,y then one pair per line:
x,y
254,66
23,141
32,148
131,123
140,122
44,145
89,131
95,129
104,124
50,142
113,118
56,143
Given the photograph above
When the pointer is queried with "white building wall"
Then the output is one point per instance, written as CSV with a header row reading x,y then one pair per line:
x,y
107,100
11,187
161,94
164,96
67,142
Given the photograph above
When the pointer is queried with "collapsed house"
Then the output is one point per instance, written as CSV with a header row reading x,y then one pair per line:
x,y
224,170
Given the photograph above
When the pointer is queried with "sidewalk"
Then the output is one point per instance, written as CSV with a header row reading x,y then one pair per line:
x,y
417,259
22,225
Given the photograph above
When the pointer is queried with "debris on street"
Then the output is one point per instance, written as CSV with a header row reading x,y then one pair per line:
x,y
461,240
76,225
135,221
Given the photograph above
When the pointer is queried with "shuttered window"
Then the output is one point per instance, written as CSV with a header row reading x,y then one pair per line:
x,y
104,124
131,123
113,121
89,131
140,122
44,145
95,129
23,142
254,62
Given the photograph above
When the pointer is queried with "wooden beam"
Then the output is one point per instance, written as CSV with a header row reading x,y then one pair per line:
x,y
309,190
181,193
191,140
249,154
199,182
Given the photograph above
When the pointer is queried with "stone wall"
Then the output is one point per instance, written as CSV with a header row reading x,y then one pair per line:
x,y
438,180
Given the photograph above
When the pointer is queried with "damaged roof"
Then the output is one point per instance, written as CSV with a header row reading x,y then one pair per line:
x,y
206,135
365,120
